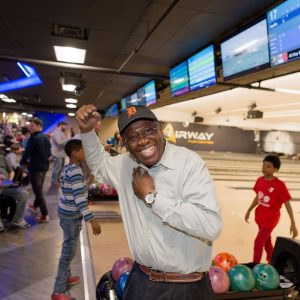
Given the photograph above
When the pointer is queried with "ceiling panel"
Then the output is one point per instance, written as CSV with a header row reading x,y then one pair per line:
x,y
116,29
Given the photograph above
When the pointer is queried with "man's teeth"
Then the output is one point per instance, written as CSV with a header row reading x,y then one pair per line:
x,y
148,150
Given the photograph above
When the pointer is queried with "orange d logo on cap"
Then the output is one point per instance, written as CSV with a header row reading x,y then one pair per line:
x,y
131,111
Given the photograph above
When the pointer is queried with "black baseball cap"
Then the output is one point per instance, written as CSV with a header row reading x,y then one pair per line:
x,y
134,113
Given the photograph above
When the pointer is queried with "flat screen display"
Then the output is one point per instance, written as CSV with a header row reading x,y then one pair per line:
x,y
150,93
123,104
179,80
246,52
134,100
284,32
112,111
201,68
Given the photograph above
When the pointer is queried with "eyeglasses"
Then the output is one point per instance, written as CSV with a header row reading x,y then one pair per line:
x,y
147,133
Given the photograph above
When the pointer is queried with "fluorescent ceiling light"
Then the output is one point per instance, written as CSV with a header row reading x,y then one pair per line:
x,y
289,91
8,100
69,87
71,114
71,100
280,114
70,54
71,105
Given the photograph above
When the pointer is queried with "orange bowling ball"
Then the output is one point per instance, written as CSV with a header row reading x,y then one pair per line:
x,y
225,261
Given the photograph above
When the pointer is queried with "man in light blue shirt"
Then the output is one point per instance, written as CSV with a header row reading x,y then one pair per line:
x,y
168,203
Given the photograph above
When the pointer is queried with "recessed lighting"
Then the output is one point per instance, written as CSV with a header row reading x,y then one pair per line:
x,y
69,87
71,105
71,114
70,54
71,100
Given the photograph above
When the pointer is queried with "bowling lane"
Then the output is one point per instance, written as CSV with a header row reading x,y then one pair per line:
x,y
111,244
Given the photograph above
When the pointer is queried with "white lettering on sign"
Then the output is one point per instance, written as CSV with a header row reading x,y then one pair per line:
x,y
203,136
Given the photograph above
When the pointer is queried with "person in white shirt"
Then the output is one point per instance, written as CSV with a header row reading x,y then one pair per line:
x,y
59,139
168,203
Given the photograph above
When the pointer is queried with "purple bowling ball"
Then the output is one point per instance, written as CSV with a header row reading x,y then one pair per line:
x,y
219,280
122,265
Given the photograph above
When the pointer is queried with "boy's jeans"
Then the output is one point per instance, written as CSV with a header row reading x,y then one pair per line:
x,y
71,228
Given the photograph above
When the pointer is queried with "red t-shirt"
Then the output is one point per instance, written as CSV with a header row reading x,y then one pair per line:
x,y
271,195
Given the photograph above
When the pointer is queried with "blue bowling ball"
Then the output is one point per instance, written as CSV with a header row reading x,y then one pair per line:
x,y
120,285
241,278
266,277
110,141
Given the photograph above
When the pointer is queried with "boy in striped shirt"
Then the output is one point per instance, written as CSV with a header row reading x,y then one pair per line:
x,y
72,208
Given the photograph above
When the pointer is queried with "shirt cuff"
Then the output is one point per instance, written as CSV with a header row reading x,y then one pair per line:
x,y
163,207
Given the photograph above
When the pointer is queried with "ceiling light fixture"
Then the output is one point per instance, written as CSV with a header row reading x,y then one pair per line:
x,y
252,106
288,91
70,54
71,114
71,105
69,84
71,100
218,110
281,114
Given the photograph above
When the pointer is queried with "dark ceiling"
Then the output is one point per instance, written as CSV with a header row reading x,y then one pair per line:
x,y
128,42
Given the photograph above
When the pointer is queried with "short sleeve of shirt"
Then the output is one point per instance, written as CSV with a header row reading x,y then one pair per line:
x,y
284,193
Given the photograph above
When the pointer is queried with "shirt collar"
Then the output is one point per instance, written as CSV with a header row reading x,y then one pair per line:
x,y
167,159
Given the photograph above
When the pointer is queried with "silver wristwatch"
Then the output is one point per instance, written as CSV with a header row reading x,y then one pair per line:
x,y
150,198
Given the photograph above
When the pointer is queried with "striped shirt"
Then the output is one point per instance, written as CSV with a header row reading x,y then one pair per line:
x,y
73,199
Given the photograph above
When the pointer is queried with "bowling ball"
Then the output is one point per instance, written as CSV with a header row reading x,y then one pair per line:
x,y
105,283
225,261
219,280
110,141
266,277
94,190
241,278
122,265
120,285
106,189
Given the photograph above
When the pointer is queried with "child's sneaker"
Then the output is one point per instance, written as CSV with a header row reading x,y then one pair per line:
x,y
22,224
33,209
73,280
42,219
60,296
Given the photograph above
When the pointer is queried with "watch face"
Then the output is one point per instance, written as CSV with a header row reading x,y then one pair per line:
x,y
150,198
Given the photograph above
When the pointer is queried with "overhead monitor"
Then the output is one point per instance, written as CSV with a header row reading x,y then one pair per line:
x,y
179,79
201,69
111,111
284,32
134,100
246,51
150,93
123,104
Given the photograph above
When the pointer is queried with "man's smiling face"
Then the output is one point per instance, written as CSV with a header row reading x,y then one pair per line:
x,y
145,141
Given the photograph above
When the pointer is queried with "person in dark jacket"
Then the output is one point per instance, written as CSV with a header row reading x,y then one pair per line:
x,y
36,156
